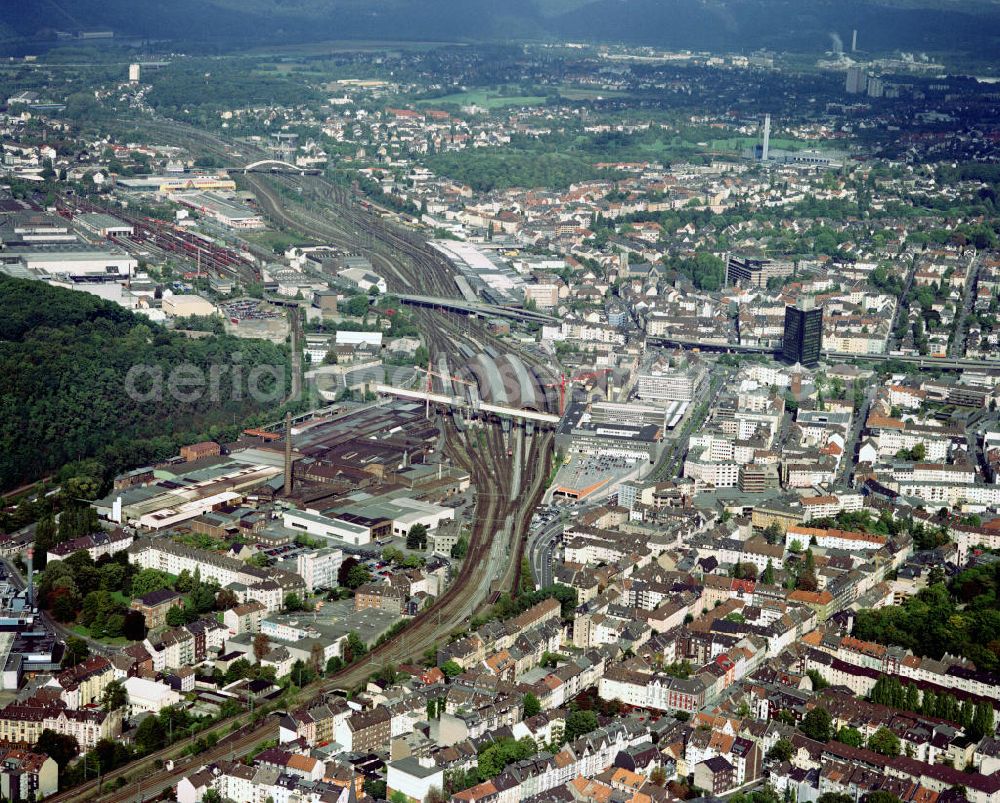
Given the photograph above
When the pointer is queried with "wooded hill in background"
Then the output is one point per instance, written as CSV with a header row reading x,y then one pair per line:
x,y
735,25
64,358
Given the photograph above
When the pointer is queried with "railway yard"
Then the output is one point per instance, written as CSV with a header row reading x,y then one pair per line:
x,y
508,462
559,422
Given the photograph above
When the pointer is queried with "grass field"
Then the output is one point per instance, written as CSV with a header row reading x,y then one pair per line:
x,y
583,93
120,641
484,98
742,143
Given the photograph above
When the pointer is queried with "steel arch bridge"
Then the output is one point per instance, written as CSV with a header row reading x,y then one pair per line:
x,y
274,164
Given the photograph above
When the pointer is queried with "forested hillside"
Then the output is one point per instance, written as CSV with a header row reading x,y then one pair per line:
x,y
941,25
64,360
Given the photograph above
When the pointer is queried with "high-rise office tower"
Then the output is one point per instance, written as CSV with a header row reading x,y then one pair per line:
x,y
857,79
803,337
767,138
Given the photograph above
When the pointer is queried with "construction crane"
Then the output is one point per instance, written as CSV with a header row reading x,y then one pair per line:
x,y
565,380
430,383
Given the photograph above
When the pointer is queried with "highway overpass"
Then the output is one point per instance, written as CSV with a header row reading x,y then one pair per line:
x,y
477,308
456,402
921,362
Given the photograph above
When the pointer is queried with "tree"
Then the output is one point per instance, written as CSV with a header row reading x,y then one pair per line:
x,y
852,737
817,724
61,748
580,723
238,670
772,534
494,757
316,657
767,577
880,796
134,626
357,305
982,721
358,576
818,681
149,580
807,581
76,652
293,602
115,696
658,777
884,742
45,539
781,751
226,600
416,538
261,646
211,796
176,617
150,735
451,669
461,548
355,645
335,664
185,582
532,706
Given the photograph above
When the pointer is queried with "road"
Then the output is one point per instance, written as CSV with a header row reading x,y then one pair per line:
x,y
893,343
51,624
501,514
922,363
542,543
851,443
671,461
957,346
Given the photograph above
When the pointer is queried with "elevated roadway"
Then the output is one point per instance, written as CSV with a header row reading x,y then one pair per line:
x,y
456,402
477,307
922,362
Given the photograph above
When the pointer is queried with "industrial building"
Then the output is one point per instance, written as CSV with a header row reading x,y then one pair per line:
x,y
221,209
172,501
372,520
181,306
105,225
171,184
33,228
71,259
341,529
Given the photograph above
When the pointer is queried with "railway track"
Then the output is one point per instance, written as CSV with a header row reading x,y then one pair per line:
x,y
161,237
406,261
502,510
145,781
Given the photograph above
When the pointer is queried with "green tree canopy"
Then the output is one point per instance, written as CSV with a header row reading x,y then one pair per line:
x,y
817,724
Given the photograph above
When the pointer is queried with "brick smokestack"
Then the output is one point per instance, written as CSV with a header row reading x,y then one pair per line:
x,y
31,576
288,454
